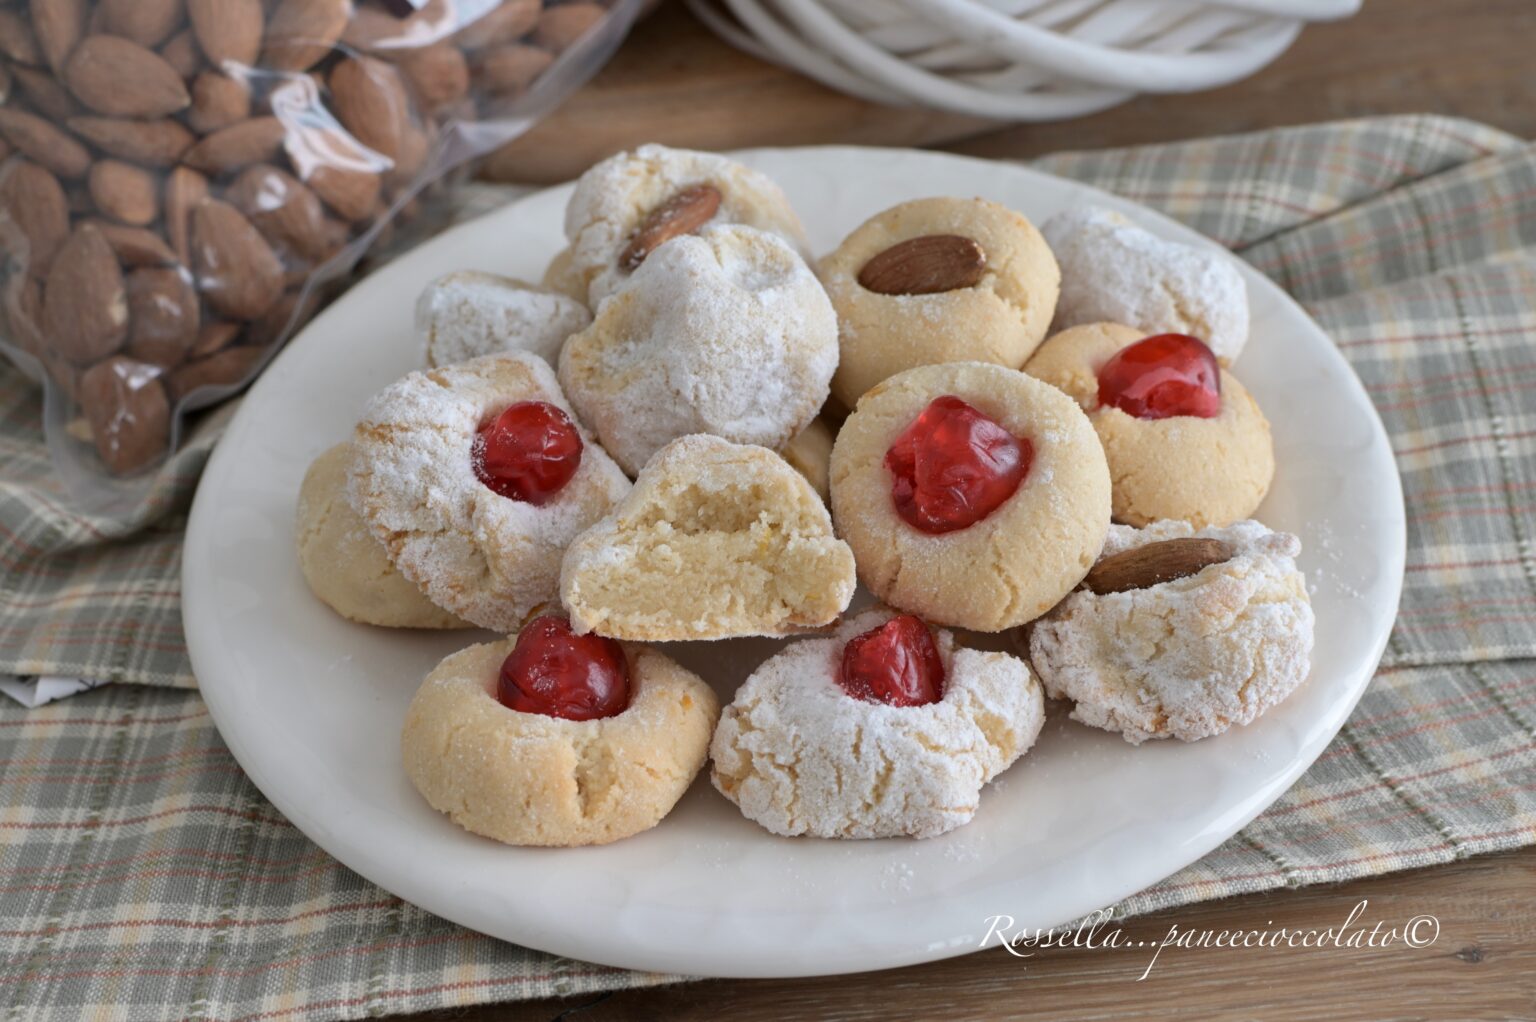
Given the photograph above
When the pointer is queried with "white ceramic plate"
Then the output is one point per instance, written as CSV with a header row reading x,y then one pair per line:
x,y
312,705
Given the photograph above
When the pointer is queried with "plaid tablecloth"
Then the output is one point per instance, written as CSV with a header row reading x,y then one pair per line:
x,y
142,876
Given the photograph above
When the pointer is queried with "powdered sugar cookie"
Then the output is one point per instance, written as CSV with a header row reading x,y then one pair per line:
x,y
715,540
344,565
475,477
627,206
1113,271
466,314
552,739
1183,437
1224,638
971,494
727,332
938,280
884,729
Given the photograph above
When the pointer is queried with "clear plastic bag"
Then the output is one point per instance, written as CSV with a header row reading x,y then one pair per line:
x,y
184,182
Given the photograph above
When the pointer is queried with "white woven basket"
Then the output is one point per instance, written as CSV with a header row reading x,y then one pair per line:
x,y
1021,60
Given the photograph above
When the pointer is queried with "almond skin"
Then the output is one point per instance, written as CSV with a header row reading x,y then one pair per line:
x,y
221,369
135,246
146,22
1146,566
58,24
36,204
85,306
163,313
185,189
370,102
236,270
18,43
218,101
302,32
127,194
44,143
120,78
46,93
511,69
283,209
223,152
181,52
560,27
439,73
925,265
150,143
128,411
228,31
683,213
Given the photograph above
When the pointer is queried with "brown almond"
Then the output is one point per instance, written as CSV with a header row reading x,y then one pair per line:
x,y
353,194
45,93
302,32
185,190
59,24
373,27
129,413
283,209
415,148
218,101
151,143
1146,566
224,369
35,202
146,22
120,78
181,52
44,143
240,145
163,315
18,43
124,192
683,213
229,32
85,307
135,246
23,305
511,69
236,270
370,101
214,336
6,81
560,27
503,23
439,73
925,265
330,162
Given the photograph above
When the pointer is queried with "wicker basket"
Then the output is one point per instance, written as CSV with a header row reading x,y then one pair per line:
x,y
1021,60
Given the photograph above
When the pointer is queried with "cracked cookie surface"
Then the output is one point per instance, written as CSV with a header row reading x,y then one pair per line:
x,y
799,755
489,559
1184,659
466,314
528,779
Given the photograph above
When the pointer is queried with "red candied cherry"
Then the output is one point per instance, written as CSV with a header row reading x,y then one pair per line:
x,y
1161,377
954,466
557,673
896,664
528,452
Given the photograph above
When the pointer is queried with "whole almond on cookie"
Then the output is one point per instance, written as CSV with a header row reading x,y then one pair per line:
x,y
302,32
124,192
54,149
239,145
1145,566
35,202
218,101
681,214
58,25
120,78
129,413
371,103
925,265
158,143
236,270
85,304
229,32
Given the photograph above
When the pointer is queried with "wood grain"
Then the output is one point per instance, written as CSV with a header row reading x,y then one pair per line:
x,y
675,83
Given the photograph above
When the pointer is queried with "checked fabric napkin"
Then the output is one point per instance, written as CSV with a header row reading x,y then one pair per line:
x,y
142,875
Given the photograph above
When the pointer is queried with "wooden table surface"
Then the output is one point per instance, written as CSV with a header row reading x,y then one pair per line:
x,y
674,83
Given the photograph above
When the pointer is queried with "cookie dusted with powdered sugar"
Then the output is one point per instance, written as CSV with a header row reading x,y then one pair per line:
x,y
1113,271
629,205
843,737
726,332
475,477
1225,636
467,314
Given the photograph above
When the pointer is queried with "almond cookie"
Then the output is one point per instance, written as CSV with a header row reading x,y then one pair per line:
x,y
810,454
475,477
560,275
344,565
716,540
1188,633
631,204
885,729
1113,271
1183,437
972,495
725,332
466,314
938,280
550,739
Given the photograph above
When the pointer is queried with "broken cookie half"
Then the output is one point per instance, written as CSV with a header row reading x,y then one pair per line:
x,y
716,540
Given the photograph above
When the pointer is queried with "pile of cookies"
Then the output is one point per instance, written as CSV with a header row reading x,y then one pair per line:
x,y
691,431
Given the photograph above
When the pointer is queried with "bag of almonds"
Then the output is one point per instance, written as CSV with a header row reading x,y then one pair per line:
x,y
182,182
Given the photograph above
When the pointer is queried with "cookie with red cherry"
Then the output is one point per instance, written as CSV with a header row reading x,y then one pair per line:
x,y
475,477
555,739
972,495
1183,437
887,728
